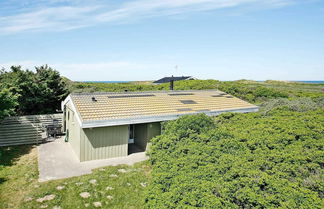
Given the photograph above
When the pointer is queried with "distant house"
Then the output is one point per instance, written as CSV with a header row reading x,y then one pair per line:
x,y
169,79
106,125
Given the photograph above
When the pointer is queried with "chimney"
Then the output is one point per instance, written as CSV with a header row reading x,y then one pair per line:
x,y
171,83
94,99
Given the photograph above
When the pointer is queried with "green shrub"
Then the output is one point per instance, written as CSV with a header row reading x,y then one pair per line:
x,y
300,104
39,92
239,161
8,103
254,94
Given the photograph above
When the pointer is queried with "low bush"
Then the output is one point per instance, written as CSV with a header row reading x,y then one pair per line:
x,y
239,161
301,104
254,94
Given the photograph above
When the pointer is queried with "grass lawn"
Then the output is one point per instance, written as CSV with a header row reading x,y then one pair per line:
x,y
110,187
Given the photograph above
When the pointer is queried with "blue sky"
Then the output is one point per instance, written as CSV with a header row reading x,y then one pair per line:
x,y
145,40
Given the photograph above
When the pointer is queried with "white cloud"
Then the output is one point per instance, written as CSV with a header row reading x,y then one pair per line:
x,y
76,13
61,18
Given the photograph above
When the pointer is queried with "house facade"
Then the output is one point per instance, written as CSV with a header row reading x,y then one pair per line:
x,y
107,125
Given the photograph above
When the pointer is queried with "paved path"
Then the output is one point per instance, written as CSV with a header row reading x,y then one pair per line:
x,y
56,160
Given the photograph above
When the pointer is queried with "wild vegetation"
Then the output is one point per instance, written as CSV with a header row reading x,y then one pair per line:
x,y
274,160
8,102
24,92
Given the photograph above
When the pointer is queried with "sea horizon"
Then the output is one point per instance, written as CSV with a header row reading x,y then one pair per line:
x,y
309,81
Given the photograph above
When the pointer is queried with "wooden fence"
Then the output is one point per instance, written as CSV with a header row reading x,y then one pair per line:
x,y
25,129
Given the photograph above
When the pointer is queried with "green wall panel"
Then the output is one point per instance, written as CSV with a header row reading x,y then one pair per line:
x,y
105,142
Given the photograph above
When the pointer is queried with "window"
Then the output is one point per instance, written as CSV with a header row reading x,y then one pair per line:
x,y
68,115
188,102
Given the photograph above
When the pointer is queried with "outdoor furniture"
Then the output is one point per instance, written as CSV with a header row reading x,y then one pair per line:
x,y
54,129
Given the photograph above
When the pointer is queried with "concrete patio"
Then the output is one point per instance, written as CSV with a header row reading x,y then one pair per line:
x,y
56,160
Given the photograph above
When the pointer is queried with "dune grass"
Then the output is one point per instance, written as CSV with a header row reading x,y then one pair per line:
x,y
107,187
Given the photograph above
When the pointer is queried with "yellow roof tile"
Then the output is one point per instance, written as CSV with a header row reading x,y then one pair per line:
x,y
112,106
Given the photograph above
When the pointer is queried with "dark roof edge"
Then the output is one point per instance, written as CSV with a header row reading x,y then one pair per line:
x,y
174,78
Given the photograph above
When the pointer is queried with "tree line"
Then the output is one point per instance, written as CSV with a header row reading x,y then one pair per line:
x,y
26,92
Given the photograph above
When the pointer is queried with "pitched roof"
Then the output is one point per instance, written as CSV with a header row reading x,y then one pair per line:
x,y
108,109
168,79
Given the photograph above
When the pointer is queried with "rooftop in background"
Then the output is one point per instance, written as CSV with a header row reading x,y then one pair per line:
x,y
112,108
168,79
